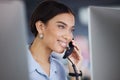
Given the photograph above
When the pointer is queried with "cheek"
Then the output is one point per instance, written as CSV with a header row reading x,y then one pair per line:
x,y
51,41
51,36
52,33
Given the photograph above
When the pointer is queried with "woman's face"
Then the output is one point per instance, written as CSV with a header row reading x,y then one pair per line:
x,y
59,32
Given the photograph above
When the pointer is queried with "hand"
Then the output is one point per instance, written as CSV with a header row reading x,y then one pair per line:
x,y
75,57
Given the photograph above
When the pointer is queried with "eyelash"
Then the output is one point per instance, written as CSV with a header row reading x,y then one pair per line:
x,y
61,26
72,30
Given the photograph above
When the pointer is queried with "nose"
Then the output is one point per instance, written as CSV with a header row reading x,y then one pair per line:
x,y
68,36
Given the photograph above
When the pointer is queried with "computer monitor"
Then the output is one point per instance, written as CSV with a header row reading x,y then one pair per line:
x,y
13,57
104,39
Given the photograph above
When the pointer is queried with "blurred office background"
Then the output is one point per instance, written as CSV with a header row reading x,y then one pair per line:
x,y
80,8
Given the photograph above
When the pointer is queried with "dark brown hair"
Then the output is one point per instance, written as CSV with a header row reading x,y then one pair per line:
x,y
46,11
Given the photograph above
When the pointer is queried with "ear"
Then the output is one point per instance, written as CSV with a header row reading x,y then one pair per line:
x,y
40,26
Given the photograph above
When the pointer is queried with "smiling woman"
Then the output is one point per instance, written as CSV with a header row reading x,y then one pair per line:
x,y
58,32
52,24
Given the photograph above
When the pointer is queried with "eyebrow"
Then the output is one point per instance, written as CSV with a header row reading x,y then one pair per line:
x,y
63,23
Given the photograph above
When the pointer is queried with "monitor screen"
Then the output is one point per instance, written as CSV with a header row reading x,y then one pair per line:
x,y
13,57
104,39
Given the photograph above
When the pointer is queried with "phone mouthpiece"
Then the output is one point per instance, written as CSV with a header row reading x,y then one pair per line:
x,y
69,50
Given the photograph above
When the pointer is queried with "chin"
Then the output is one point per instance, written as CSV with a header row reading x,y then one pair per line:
x,y
60,51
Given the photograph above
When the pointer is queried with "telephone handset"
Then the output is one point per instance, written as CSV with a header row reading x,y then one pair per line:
x,y
67,53
69,50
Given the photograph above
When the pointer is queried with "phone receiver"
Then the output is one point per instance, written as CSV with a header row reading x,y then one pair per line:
x,y
69,50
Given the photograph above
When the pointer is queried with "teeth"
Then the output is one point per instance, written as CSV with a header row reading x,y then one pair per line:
x,y
63,44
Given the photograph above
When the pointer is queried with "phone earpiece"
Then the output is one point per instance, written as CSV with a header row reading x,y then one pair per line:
x,y
69,50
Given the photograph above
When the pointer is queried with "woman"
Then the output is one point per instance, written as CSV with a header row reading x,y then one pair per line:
x,y
52,24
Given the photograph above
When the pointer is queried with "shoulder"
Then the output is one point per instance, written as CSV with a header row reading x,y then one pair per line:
x,y
59,66
59,61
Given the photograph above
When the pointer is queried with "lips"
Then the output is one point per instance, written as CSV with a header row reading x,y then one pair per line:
x,y
63,44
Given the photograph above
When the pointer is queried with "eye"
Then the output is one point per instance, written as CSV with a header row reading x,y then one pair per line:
x,y
73,29
61,26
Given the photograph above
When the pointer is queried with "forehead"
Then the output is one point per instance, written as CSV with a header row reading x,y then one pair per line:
x,y
66,18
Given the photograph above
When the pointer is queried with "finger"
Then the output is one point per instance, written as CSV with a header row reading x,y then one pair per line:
x,y
77,49
75,45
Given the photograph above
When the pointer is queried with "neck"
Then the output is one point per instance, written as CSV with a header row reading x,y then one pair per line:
x,y
39,51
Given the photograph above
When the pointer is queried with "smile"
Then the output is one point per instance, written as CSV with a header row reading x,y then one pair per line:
x,y
63,44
